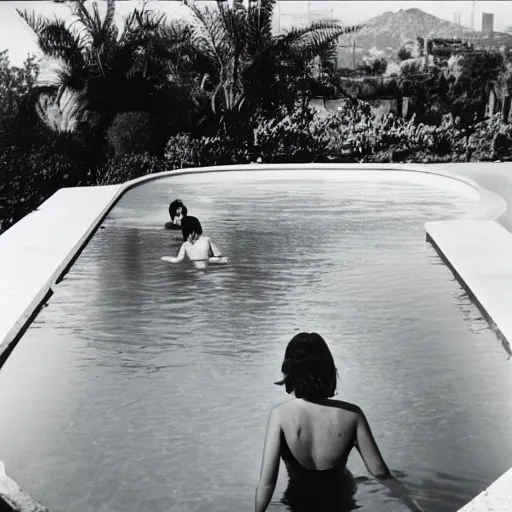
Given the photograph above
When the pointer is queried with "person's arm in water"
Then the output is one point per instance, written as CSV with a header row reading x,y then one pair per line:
x,y
181,254
370,453
269,464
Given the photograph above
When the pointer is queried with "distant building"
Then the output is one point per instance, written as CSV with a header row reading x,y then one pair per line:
x,y
487,24
487,38
472,41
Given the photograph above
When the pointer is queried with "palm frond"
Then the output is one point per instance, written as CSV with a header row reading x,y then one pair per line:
x,y
234,22
62,113
318,39
328,28
259,16
35,21
53,72
99,30
143,21
208,34
55,39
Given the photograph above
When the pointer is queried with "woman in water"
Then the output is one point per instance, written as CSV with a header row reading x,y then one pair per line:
x,y
314,435
196,247
177,211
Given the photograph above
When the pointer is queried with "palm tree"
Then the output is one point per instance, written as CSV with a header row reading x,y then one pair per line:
x,y
242,65
103,70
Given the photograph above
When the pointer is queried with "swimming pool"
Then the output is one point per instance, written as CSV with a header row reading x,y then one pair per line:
x,y
147,387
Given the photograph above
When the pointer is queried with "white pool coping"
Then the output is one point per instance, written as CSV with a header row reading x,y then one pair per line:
x,y
38,250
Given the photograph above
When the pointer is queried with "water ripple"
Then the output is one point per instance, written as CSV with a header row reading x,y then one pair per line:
x,y
152,382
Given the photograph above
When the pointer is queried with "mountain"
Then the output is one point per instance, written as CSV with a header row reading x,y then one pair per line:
x,y
390,31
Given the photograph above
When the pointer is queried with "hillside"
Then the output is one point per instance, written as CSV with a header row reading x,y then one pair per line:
x,y
390,31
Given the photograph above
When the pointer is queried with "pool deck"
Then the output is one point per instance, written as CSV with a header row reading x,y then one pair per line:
x,y
37,251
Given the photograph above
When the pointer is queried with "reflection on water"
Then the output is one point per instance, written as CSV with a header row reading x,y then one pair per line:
x,y
145,386
474,318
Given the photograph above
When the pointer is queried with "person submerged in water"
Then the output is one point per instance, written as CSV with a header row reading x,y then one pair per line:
x,y
177,211
196,247
314,436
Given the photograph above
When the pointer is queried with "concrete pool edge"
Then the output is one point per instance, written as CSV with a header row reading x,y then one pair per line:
x,y
31,240
487,278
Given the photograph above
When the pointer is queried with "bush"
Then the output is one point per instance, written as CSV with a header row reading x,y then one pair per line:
x,y
184,151
355,133
284,138
16,84
129,167
18,122
467,87
458,87
490,140
132,132
288,138
29,178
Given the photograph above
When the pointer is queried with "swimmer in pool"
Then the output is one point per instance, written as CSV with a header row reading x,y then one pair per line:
x,y
314,436
196,247
177,211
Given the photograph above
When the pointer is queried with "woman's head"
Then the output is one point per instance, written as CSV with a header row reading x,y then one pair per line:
x,y
177,209
190,226
308,367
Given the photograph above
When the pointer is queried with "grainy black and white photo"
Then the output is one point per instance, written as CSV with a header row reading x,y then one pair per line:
x,y
255,255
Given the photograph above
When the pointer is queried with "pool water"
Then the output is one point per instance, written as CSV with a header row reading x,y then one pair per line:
x,y
144,386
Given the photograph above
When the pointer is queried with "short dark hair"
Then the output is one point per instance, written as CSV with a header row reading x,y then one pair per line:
x,y
308,367
190,225
173,208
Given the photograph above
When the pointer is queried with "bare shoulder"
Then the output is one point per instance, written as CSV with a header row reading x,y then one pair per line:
x,y
346,407
282,407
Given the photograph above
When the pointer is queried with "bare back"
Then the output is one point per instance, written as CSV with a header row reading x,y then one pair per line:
x,y
320,435
200,250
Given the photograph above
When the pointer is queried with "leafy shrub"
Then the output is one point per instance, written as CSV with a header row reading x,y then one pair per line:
x,y
16,84
29,178
132,132
129,167
467,88
355,133
18,121
184,151
34,163
284,138
287,138
458,87
490,140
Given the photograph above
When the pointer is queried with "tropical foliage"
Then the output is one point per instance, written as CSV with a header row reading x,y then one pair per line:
x,y
112,102
225,55
18,124
128,167
243,68
102,70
